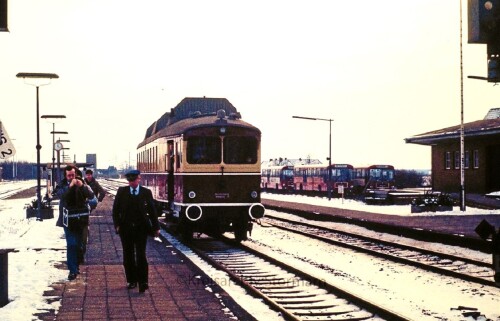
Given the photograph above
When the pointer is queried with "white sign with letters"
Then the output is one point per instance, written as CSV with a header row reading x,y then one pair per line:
x,y
6,147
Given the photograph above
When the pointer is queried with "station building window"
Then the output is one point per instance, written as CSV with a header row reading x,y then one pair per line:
x,y
457,160
447,160
475,155
467,159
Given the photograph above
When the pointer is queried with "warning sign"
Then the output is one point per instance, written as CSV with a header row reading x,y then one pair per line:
x,y
6,147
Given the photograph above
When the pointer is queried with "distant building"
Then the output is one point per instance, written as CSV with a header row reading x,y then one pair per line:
x,y
92,158
290,161
481,155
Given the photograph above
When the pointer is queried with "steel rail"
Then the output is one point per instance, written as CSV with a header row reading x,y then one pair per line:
x,y
344,294
364,249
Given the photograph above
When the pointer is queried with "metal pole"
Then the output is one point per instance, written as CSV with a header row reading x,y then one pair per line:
x,y
462,147
329,184
38,170
58,164
330,163
53,155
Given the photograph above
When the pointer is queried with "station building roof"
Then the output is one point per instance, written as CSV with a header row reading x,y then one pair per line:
x,y
488,126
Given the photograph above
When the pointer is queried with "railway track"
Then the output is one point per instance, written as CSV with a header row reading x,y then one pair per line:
x,y
110,185
294,293
11,192
445,264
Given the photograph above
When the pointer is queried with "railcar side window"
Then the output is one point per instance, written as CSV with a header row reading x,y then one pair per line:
x,y
204,150
240,150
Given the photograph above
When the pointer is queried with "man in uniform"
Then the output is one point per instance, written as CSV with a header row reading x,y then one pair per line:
x,y
134,218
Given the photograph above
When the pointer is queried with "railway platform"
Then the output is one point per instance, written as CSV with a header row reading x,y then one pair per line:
x,y
100,293
463,225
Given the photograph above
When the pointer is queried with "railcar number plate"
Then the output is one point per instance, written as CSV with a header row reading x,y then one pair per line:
x,y
221,196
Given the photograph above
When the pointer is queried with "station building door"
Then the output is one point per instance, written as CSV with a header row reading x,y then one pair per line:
x,y
493,168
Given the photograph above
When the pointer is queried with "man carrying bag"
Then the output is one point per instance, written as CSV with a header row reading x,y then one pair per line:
x,y
74,211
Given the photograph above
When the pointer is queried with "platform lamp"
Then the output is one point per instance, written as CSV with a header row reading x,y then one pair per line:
x,y
59,146
65,157
329,186
53,119
58,141
37,80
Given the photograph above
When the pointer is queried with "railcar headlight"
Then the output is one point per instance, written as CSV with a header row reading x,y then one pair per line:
x,y
192,194
254,194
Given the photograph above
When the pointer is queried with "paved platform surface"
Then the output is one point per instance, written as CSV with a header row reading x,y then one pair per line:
x,y
448,224
177,289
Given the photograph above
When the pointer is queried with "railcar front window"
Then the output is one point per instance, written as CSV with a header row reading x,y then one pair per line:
x,y
240,150
204,150
288,173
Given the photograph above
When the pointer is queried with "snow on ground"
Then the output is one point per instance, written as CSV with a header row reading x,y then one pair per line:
x,y
41,246
402,210
407,290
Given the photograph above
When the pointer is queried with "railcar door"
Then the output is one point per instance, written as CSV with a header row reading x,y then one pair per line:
x,y
170,172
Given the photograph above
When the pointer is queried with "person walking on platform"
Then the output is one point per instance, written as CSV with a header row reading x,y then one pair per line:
x,y
73,195
99,194
134,217
94,185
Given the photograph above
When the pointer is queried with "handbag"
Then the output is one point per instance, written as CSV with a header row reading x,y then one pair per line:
x,y
75,218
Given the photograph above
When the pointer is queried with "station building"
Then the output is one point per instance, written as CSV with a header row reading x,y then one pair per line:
x,y
481,155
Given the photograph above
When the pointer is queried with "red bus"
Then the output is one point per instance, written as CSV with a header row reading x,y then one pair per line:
x,y
315,177
277,177
374,177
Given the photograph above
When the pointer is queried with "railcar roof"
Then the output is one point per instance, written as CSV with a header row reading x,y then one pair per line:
x,y
192,112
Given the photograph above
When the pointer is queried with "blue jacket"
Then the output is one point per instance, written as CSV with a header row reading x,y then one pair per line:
x,y
62,192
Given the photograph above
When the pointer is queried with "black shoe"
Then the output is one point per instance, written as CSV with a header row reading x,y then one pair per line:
x,y
71,276
143,287
131,285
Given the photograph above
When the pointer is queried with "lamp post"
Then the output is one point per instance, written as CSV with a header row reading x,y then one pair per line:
x,y
39,79
59,142
54,145
66,158
53,119
329,186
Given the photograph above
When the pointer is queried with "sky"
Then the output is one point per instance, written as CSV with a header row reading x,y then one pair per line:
x,y
382,70
33,268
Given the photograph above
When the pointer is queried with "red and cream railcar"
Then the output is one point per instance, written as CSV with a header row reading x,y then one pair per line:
x,y
203,164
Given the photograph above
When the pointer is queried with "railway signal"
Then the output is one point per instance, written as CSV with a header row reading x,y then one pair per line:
x,y
484,28
485,230
3,15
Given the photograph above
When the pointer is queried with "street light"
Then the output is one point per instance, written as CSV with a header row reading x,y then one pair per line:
x,y
58,147
54,147
39,79
53,119
329,186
